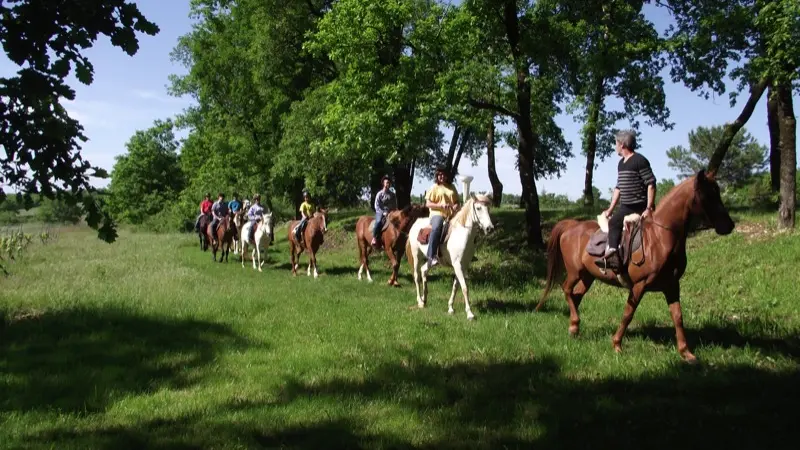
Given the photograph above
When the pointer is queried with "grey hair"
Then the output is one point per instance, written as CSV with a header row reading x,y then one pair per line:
x,y
627,138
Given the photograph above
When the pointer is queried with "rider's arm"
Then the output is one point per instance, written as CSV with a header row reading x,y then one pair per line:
x,y
651,196
614,199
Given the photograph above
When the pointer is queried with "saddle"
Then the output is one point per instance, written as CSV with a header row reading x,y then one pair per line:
x,y
631,240
425,234
299,231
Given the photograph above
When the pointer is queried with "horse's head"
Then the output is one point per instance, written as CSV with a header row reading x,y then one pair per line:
x,y
708,202
323,214
479,205
266,224
404,219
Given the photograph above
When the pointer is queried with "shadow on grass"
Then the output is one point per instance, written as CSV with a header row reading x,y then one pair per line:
x,y
82,360
526,403
753,332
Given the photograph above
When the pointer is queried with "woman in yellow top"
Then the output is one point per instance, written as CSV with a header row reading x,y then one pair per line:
x,y
306,209
442,200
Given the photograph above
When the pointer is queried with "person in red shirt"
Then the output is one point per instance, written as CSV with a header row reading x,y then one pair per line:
x,y
205,210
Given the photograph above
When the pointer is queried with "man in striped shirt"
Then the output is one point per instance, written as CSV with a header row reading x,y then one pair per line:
x,y
635,191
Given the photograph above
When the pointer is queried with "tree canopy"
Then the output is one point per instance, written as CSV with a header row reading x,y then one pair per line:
x,y
41,141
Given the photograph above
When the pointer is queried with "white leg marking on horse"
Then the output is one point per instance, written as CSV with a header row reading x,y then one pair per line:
x,y
360,270
452,296
460,275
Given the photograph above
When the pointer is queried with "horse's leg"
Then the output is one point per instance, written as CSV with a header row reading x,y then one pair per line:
x,y
673,296
313,258
464,291
257,254
452,296
360,258
241,255
292,250
395,262
574,290
367,252
634,297
417,275
424,275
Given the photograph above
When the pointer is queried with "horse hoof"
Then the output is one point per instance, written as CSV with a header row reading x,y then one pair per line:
x,y
617,348
470,317
574,331
451,311
689,358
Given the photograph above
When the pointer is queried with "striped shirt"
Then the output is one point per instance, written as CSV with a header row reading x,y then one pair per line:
x,y
633,176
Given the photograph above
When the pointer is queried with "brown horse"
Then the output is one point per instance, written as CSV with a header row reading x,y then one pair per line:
x,y
313,236
202,231
658,269
393,237
224,240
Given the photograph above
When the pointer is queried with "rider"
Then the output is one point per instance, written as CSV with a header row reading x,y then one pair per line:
x,y
205,210
235,206
306,209
254,214
635,191
442,200
385,201
219,210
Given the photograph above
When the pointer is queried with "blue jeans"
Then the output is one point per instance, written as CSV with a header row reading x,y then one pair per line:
x,y
436,236
299,230
376,227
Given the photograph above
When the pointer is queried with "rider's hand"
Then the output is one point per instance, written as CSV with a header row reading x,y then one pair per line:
x,y
607,213
647,213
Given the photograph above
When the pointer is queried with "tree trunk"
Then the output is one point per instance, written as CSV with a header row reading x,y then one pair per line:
x,y
297,196
403,182
452,150
497,186
756,91
590,139
457,159
774,140
788,170
525,134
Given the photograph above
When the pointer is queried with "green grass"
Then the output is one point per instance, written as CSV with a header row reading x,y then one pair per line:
x,y
146,343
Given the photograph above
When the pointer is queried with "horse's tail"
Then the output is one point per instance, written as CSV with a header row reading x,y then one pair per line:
x,y
555,260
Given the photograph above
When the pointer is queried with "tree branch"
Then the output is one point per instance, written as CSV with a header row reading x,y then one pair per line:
x,y
496,108
756,91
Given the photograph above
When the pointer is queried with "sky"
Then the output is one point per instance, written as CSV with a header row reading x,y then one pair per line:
x,y
130,93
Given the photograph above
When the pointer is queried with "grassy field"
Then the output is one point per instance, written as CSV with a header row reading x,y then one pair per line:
x,y
146,343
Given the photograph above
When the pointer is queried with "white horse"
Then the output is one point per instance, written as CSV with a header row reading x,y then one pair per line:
x,y
457,252
262,239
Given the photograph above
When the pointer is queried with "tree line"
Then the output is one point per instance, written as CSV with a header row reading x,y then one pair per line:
x,y
331,95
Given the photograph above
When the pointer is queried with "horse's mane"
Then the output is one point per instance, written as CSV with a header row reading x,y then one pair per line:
x,y
461,216
678,189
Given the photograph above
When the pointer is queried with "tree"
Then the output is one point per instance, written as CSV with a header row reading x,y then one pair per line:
x,y
745,155
710,35
41,141
620,57
148,177
528,45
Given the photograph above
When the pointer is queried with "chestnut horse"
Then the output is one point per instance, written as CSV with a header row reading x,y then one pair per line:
x,y
313,236
393,238
664,260
225,234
